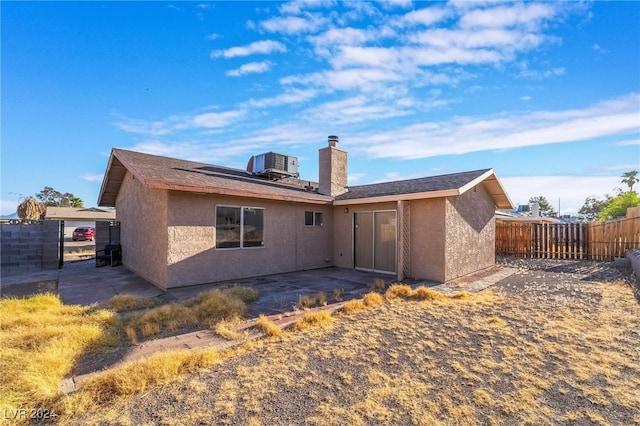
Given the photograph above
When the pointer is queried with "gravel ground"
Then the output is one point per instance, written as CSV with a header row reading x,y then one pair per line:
x,y
563,281
555,343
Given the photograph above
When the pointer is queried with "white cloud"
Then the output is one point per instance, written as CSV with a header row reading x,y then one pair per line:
x,y
298,6
250,68
291,96
178,122
213,36
529,14
426,16
93,177
295,24
510,130
263,47
216,119
354,110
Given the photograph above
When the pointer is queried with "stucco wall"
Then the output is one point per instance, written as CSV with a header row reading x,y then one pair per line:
x,y
193,259
470,233
428,239
142,213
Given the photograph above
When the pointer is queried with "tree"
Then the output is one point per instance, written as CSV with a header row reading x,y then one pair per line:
x,y
545,207
50,197
30,209
617,207
630,178
592,206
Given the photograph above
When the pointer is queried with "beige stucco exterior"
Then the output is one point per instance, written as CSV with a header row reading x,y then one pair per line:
x,y
470,233
167,213
143,225
170,237
447,237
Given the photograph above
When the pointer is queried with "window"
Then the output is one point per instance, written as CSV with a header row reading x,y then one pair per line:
x,y
313,219
239,227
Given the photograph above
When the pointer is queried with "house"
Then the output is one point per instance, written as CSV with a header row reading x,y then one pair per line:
x,y
74,217
184,222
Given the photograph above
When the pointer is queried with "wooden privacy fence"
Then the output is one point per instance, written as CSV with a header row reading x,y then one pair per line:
x,y
593,240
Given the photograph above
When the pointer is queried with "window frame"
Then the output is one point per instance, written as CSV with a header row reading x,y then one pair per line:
x,y
242,209
315,215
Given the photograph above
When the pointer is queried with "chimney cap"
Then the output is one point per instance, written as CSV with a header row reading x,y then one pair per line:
x,y
333,140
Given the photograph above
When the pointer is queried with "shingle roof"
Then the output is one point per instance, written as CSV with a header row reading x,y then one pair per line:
x,y
181,175
170,173
448,185
412,186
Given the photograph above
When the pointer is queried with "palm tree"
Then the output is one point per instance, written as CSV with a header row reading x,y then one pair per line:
x,y
630,178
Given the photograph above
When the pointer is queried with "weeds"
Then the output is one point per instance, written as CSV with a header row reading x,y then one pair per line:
x,y
321,299
337,294
320,318
268,326
427,294
398,291
208,308
373,299
226,329
136,377
129,302
306,302
378,285
41,340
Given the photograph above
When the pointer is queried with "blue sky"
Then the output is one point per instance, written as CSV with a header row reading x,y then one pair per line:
x,y
547,94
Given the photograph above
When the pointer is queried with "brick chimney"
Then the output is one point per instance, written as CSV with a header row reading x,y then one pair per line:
x,y
333,169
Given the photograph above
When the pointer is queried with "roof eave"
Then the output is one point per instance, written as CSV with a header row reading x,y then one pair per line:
x,y
398,197
237,193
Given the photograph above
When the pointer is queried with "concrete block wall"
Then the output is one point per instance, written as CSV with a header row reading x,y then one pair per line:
x,y
29,248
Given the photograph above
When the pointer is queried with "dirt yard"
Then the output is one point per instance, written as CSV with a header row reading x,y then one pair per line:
x,y
556,343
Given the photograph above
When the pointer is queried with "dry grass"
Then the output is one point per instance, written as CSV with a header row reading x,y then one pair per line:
x,y
129,302
377,285
398,291
337,294
41,340
208,308
306,302
470,359
425,293
227,329
135,378
321,299
268,326
320,318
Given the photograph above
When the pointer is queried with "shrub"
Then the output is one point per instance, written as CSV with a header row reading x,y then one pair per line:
x,y
306,301
313,319
424,293
353,306
373,299
399,291
247,294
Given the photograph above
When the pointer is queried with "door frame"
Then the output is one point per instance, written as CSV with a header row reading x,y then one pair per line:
x,y
373,252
